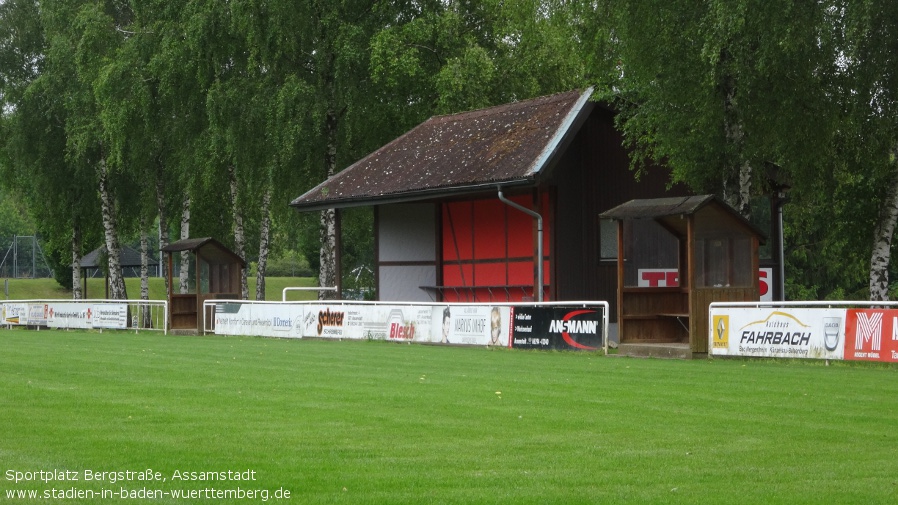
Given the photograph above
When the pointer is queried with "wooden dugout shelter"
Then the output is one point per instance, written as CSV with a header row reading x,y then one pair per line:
x,y
712,249
96,261
215,272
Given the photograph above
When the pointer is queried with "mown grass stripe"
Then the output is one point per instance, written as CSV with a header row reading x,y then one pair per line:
x,y
427,424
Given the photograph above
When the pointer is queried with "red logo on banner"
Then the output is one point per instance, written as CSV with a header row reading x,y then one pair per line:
x,y
871,335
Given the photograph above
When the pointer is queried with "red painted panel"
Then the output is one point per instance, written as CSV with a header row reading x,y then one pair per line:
x,y
489,229
490,274
520,273
520,230
458,275
457,236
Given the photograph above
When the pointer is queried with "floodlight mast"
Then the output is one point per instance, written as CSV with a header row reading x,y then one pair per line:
x,y
539,241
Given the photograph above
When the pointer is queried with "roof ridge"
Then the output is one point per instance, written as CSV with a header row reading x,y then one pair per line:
x,y
522,104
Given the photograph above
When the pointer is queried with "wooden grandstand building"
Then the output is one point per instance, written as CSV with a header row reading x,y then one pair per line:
x,y
462,202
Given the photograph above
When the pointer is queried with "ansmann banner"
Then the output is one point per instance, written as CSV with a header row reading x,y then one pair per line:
x,y
563,328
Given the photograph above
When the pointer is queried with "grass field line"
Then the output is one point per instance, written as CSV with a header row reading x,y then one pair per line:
x,y
377,422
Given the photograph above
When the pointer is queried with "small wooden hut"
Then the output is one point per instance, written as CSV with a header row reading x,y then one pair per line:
x,y
214,273
695,250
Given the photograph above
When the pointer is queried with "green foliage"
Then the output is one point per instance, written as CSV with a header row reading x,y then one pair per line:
x,y
287,264
169,96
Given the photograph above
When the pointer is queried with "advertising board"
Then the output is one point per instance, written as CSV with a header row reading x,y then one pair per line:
x,y
263,320
372,322
871,335
777,332
15,313
558,328
472,325
109,315
69,315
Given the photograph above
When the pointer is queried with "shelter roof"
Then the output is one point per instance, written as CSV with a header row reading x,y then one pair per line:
x,y
507,145
650,208
208,248
128,257
661,209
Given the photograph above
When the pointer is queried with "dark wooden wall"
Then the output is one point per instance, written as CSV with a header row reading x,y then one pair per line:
x,y
592,176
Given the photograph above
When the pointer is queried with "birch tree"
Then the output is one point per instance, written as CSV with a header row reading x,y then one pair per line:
x,y
870,96
702,87
36,65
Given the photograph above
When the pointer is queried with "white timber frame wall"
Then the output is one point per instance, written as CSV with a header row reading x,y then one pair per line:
x,y
407,248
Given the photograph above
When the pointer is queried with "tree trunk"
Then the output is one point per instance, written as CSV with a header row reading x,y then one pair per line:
x,y
163,222
76,262
737,171
264,242
737,187
184,276
239,234
144,273
327,275
882,243
110,232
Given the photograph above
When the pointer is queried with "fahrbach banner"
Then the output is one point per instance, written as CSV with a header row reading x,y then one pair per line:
x,y
777,332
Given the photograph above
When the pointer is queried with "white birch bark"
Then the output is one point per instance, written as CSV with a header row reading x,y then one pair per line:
x,y
239,233
327,276
117,289
144,273
76,263
163,223
264,244
737,177
882,242
184,276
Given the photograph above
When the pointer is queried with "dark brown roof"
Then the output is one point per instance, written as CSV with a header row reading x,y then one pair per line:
x,y
208,248
127,257
508,145
660,208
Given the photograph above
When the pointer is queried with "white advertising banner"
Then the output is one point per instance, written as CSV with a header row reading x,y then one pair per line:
x,y
472,325
15,314
777,332
69,315
109,315
375,322
37,314
264,320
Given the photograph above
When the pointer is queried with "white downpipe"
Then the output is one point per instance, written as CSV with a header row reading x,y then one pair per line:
x,y
539,241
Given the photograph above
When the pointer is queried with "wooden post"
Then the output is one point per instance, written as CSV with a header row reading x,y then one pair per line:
x,y
620,281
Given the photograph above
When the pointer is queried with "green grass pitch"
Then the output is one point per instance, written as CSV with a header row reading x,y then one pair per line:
x,y
373,422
